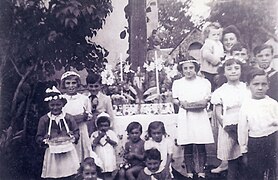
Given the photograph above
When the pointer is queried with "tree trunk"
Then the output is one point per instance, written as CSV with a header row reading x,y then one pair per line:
x,y
138,33
14,101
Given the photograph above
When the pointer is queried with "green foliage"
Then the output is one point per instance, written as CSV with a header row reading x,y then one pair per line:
x,y
37,38
53,35
255,19
174,21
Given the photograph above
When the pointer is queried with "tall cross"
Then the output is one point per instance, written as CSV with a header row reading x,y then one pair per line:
x,y
138,33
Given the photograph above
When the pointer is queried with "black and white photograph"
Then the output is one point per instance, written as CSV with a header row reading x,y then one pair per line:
x,y
138,89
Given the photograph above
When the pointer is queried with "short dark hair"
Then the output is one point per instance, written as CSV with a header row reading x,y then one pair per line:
x,y
232,29
195,45
259,48
228,62
102,119
152,154
93,78
134,125
238,47
196,65
253,73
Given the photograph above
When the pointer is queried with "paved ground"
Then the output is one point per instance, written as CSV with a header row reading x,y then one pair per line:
x,y
210,176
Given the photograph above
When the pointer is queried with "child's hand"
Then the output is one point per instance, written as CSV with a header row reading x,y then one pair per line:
x,y
108,139
130,156
72,139
45,141
101,134
245,159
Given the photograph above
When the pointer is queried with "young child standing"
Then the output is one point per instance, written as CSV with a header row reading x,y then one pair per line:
x,y
257,128
212,51
57,131
157,138
134,152
192,94
79,107
227,101
103,142
153,169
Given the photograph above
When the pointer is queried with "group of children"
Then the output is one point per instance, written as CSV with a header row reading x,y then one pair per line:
x,y
72,151
80,142
244,102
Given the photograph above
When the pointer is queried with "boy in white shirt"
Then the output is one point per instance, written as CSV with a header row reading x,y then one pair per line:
x,y
257,128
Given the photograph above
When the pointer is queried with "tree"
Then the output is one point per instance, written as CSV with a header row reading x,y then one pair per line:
x,y
38,37
174,21
255,19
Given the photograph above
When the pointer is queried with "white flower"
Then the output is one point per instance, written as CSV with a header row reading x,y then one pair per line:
x,y
159,64
127,68
171,71
149,67
108,77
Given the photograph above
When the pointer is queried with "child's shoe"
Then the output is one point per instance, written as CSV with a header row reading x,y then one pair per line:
x,y
190,175
201,176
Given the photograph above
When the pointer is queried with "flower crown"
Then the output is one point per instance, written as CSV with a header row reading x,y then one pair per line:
x,y
52,94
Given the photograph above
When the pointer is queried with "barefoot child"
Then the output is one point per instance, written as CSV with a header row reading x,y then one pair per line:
x,y
134,152
227,100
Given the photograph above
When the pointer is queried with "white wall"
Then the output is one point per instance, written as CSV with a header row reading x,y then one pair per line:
x,y
109,36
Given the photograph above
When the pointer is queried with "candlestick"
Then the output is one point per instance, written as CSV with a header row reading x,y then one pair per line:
x,y
156,72
121,66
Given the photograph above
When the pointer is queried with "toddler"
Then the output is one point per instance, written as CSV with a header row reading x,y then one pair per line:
x,y
212,51
153,169
103,142
134,152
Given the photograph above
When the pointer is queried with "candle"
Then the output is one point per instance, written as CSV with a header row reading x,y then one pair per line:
x,y
156,72
121,67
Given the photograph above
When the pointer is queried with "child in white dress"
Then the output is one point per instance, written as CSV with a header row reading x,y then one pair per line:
x,y
227,100
192,94
103,142
79,106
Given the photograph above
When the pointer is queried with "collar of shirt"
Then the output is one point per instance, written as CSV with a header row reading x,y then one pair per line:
x,y
150,173
56,118
73,97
